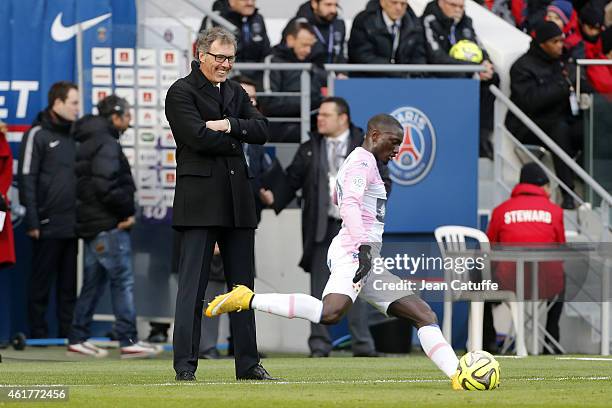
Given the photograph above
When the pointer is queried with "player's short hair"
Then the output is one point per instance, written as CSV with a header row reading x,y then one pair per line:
x,y
209,36
384,122
59,90
111,105
296,26
243,79
341,105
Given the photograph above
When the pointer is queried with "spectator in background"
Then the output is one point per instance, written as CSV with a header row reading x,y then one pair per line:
x,y
562,13
445,24
7,243
501,8
105,215
253,41
296,47
258,163
591,24
533,13
387,32
508,226
540,87
313,170
329,29
47,189
600,76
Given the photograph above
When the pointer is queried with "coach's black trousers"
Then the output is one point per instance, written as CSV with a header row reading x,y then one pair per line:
x,y
54,260
196,247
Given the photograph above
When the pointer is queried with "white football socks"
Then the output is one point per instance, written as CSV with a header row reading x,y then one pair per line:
x,y
289,305
437,349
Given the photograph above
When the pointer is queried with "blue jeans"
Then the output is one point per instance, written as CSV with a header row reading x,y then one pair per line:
x,y
108,257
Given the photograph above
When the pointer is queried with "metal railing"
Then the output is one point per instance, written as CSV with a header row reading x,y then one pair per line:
x,y
555,149
606,198
332,69
587,62
304,94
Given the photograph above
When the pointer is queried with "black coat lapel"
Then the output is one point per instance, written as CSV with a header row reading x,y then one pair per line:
x,y
228,94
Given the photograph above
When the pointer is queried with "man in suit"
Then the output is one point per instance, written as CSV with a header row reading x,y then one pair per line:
x,y
313,170
210,118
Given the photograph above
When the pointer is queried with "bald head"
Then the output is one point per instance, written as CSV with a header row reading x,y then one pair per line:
x,y
384,123
384,136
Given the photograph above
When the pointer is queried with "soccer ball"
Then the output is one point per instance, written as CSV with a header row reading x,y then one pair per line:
x,y
466,50
478,370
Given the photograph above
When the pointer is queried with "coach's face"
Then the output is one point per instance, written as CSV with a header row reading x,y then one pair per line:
x,y
213,70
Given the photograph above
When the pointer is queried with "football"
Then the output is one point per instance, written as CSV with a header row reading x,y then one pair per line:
x,y
466,50
478,371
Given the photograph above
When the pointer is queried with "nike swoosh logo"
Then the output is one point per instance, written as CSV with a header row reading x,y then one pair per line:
x,y
53,144
61,33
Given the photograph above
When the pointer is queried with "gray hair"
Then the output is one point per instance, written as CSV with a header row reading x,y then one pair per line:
x,y
207,37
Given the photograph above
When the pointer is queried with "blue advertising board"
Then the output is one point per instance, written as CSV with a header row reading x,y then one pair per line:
x,y
435,175
38,48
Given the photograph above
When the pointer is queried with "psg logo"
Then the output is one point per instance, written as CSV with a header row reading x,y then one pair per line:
x,y
418,149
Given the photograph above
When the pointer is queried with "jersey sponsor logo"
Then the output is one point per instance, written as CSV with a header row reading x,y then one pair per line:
x,y
54,143
61,33
418,149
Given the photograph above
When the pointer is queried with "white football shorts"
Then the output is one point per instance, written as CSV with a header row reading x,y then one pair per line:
x,y
379,289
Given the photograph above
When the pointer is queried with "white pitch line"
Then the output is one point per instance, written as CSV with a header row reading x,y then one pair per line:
x,y
584,358
341,382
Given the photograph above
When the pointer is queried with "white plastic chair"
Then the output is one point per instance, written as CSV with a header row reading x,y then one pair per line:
x,y
452,238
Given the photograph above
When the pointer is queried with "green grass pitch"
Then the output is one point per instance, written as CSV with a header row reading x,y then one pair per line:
x,y
410,381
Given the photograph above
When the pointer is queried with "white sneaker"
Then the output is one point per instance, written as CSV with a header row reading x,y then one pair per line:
x,y
139,350
86,349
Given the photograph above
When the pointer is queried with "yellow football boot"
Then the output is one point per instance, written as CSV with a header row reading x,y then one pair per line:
x,y
237,300
455,385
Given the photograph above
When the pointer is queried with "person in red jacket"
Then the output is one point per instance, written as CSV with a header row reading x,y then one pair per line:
x,y
530,217
600,76
7,244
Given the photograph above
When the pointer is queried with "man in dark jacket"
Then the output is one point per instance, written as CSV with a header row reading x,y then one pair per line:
x,y
210,118
513,222
253,41
296,47
259,162
327,26
313,170
105,214
445,24
540,87
47,188
387,32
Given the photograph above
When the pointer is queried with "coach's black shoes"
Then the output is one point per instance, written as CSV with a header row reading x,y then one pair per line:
x,y
257,373
185,376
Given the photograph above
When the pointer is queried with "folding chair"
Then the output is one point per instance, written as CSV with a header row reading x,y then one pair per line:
x,y
453,238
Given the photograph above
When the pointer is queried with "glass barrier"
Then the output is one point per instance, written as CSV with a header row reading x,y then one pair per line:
x,y
598,144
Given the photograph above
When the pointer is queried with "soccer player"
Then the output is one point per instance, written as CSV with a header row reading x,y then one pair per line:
x,y
361,196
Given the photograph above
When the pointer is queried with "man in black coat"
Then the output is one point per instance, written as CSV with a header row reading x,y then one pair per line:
x,y
387,32
541,88
210,118
297,47
445,24
47,189
253,41
313,170
329,28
